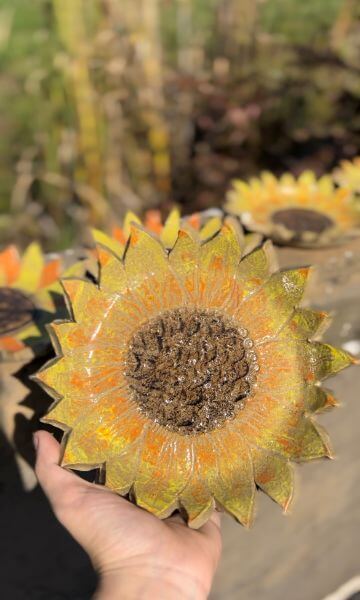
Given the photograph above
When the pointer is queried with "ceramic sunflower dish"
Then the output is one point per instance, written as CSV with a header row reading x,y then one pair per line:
x,y
191,376
28,290
306,212
348,175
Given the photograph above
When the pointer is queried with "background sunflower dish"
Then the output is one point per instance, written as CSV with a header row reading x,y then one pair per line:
x,y
306,212
191,376
29,291
30,297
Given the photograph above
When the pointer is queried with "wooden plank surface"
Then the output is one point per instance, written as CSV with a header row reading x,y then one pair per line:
x,y
310,552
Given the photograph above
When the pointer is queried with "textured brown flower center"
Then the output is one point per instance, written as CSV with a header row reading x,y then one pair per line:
x,y
301,220
16,310
190,370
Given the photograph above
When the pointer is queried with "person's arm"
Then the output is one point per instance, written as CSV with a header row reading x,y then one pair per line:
x,y
136,555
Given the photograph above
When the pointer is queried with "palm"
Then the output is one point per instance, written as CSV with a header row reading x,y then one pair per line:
x,y
118,534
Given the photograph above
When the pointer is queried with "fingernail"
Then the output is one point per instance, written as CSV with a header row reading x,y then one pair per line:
x,y
36,440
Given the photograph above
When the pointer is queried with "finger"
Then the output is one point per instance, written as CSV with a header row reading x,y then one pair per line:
x,y
53,479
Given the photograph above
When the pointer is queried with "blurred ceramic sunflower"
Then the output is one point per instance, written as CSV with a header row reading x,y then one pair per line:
x,y
28,288
191,375
304,211
348,174
204,224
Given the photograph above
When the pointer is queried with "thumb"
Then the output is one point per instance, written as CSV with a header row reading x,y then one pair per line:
x,y
55,481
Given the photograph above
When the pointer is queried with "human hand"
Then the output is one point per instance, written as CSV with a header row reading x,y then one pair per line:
x,y
136,555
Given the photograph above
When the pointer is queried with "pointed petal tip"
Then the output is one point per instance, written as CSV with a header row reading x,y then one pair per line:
x,y
69,285
162,514
197,521
246,519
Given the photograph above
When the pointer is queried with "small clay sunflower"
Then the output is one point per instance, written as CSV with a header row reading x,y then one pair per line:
x,y
191,375
303,212
28,289
348,175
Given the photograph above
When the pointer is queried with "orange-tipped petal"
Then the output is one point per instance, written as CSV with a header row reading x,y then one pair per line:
x,y
51,273
9,266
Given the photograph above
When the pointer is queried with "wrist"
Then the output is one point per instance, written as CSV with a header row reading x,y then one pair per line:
x,y
147,583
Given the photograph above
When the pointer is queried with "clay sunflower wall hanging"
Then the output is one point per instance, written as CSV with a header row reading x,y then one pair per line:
x,y
304,212
28,288
192,376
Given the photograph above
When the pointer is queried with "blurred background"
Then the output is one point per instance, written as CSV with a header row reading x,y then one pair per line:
x,y
110,105
113,104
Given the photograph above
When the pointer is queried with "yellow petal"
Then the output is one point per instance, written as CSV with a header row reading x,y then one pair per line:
x,y
121,469
171,228
324,360
64,413
264,313
231,477
218,260
105,240
149,274
184,260
274,476
197,502
312,442
67,336
255,269
251,241
113,278
165,466
305,324
84,381
307,177
211,227
222,251
284,431
101,315
281,372
104,430
129,220
144,258
32,264
318,399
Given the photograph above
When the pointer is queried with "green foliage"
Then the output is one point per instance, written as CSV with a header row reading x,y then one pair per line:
x,y
300,22
112,104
